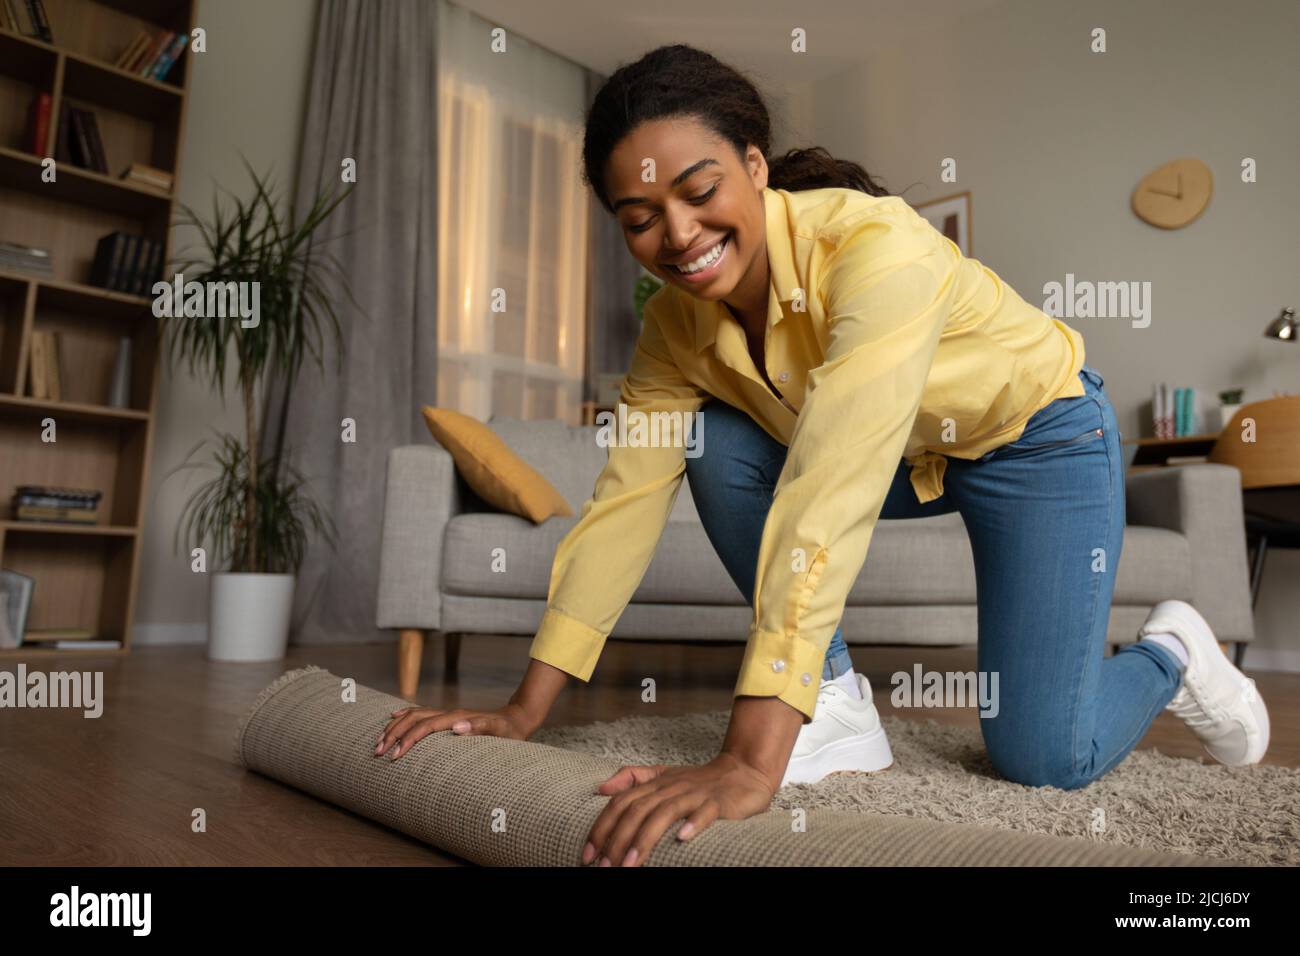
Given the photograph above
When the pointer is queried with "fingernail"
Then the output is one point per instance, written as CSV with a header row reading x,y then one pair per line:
x,y
588,852
393,753
686,830
630,859
604,861
460,726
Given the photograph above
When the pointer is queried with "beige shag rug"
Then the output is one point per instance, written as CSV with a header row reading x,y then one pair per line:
x,y
1152,801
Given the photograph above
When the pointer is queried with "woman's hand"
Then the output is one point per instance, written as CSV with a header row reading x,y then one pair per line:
x,y
648,800
411,724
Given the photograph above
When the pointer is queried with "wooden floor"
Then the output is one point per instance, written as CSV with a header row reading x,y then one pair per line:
x,y
121,789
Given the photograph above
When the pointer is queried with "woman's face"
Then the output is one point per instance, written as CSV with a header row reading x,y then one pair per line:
x,y
699,224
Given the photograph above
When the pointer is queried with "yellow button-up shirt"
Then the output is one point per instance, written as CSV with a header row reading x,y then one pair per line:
x,y
886,343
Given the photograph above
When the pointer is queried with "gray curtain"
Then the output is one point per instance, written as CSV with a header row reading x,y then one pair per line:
x,y
373,98
612,325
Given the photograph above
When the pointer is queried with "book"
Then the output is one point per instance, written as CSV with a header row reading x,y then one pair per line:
x,y
132,50
154,274
53,375
50,634
62,139
100,160
37,365
148,176
15,603
134,283
146,63
79,139
14,255
60,515
40,20
84,497
21,15
53,501
38,123
169,56
84,645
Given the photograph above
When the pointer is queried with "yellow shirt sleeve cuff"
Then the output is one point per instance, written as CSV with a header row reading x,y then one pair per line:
x,y
568,644
784,666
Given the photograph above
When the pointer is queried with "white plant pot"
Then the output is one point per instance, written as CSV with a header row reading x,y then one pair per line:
x,y
1226,413
248,619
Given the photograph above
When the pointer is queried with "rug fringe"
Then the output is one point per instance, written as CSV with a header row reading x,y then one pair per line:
x,y
277,685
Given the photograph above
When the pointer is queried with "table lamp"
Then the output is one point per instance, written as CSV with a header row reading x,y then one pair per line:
x,y
1283,327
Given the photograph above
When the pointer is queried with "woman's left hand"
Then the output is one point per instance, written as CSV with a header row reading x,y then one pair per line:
x,y
647,800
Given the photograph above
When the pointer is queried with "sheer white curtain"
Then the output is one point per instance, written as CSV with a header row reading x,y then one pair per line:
x,y
512,216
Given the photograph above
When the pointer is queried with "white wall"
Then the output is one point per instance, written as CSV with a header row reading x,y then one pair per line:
x,y
247,95
1051,138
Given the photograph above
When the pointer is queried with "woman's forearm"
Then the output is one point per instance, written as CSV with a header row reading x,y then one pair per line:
x,y
538,690
762,733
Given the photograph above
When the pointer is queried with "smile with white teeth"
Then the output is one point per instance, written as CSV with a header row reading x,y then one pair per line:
x,y
704,261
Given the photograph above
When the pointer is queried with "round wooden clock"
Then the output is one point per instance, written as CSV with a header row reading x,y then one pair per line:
x,y
1175,194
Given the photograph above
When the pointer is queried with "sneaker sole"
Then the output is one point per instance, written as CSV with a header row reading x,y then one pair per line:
x,y
865,753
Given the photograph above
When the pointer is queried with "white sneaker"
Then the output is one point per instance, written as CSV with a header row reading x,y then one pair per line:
x,y
1219,703
844,734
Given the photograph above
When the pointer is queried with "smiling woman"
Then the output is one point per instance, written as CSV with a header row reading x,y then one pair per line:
x,y
854,365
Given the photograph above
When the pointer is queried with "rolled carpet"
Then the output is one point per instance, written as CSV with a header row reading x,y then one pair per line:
x,y
504,802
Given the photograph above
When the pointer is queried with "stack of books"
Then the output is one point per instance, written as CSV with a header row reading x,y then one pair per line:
x,y
127,263
43,374
150,176
19,258
26,17
64,505
1176,411
152,55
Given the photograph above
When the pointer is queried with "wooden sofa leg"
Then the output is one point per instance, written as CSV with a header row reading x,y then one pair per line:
x,y
410,650
451,654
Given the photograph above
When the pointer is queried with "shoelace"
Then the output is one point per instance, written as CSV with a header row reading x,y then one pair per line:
x,y
1198,716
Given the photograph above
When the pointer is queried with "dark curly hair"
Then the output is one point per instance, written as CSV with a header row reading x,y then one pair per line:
x,y
668,82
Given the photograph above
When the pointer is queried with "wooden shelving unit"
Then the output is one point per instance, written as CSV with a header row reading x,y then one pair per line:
x,y
86,575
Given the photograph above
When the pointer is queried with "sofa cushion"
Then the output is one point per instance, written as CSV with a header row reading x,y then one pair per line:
x,y
919,561
571,459
489,466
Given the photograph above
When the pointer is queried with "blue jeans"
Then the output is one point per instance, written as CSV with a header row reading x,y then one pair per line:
x,y
1045,517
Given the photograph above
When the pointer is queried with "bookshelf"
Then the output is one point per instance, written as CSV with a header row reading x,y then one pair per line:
x,y
86,575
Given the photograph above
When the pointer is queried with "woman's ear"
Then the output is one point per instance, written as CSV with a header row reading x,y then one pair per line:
x,y
756,163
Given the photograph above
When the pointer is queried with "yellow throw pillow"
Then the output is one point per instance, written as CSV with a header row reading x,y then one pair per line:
x,y
497,474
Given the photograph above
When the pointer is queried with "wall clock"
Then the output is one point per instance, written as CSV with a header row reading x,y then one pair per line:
x,y
1175,194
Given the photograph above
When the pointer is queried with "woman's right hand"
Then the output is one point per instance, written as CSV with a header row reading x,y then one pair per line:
x,y
411,724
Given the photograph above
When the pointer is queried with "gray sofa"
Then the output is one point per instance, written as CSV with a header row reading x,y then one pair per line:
x,y
1185,539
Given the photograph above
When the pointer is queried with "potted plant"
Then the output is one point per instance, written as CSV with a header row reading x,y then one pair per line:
x,y
255,516
646,285
1229,405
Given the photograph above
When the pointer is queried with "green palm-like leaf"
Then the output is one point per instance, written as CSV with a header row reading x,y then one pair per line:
x,y
257,514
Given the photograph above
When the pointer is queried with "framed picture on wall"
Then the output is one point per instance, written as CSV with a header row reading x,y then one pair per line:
x,y
951,216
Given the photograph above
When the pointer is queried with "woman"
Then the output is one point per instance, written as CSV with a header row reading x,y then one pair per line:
x,y
848,364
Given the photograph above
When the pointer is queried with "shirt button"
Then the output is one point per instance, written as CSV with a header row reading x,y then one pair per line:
x,y
778,666
783,377
807,679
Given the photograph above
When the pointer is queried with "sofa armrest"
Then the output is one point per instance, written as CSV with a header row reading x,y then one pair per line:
x,y
1203,502
423,493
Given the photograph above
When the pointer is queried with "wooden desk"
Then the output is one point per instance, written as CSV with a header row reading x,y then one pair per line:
x,y
1156,452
